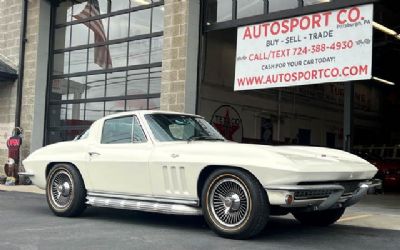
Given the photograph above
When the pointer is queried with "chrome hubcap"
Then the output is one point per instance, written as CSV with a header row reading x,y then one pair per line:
x,y
61,189
229,202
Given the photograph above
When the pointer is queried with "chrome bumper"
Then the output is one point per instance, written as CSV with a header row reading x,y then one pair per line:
x,y
26,174
317,197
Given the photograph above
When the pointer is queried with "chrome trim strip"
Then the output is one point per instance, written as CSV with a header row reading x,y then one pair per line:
x,y
147,206
304,187
167,200
26,174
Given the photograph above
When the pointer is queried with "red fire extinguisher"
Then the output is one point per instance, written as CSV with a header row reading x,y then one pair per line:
x,y
13,144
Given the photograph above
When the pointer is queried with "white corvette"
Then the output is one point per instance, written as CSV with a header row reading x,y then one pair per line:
x,y
177,163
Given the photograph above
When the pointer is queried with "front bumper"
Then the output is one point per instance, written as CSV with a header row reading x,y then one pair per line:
x,y
318,197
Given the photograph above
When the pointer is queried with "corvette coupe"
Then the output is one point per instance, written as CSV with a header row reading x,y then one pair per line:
x,y
177,163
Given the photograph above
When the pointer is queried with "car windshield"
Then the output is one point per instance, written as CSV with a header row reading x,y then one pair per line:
x,y
171,127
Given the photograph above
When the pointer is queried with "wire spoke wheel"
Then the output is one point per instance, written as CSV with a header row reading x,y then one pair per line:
x,y
229,201
61,189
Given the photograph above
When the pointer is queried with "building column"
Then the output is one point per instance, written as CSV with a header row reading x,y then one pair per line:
x,y
180,55
348,116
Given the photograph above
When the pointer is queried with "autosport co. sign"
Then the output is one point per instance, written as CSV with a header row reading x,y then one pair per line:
x,y
332,46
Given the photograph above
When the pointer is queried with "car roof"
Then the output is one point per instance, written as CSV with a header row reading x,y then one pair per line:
x,y
146,112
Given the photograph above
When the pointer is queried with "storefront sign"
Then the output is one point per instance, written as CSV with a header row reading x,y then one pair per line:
x,y
333,46
228,122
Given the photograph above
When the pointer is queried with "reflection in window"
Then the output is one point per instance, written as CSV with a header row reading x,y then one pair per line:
x,y
158,19
78,61
155,81
59,89
101,25
118,54
154,103
62,38
246,8
115,107
311,2
116,84
118,27
57,113
277,5
64,12
61,63
137,82
138,104
156,49
94,111
76,89
80,34
139,52
219,10
75,114
140,22
96,86
119,5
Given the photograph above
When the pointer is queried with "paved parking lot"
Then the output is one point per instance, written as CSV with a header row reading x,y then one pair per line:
x,y
27,223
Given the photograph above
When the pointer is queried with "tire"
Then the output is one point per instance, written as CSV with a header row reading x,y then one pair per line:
x,y
234,204
65,191
319,218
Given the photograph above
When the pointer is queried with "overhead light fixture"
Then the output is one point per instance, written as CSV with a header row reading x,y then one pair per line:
x,y
386,30
383,80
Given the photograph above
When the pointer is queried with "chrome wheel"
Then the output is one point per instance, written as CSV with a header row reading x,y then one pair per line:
x,y
229,201
61,189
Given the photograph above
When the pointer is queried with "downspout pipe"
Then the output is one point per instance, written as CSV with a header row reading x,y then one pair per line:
x,y
21,67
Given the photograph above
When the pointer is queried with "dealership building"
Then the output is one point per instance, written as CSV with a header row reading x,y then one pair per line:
x,y
64,64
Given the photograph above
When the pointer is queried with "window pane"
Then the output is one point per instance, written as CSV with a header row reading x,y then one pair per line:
x,y
277,5
158,19
60,63
116,84
62,38
138,104
155,81
119,26
57,115
118,54
117,130
140,22
103,6
138,134
156,49
114,107
246,8
139,52
78,60
98,58
119,5
98,31
311,2
77,88
136,3
75,114
137,82
78,7
80,34
219,10
94,111
154,103
96,86
64,12
59,89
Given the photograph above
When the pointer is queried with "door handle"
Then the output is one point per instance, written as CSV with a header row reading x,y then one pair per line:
x,y
93,153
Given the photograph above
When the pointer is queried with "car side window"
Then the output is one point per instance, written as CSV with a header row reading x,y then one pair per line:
x,y
122,130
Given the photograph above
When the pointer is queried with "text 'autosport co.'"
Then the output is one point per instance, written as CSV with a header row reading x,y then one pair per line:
x,y
333,46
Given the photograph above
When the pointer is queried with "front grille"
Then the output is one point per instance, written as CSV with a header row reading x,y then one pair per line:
x,y
312,194
349,188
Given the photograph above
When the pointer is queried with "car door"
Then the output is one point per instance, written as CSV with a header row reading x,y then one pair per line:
x,y
118,161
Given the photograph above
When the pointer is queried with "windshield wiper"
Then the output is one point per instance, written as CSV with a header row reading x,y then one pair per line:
x,y
205,138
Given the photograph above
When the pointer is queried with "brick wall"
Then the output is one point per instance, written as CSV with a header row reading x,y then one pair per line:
x,y
174,55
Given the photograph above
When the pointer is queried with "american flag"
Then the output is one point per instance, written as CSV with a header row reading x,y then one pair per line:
x,y
101,53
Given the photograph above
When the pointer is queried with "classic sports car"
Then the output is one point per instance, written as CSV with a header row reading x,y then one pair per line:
x,y
178,163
